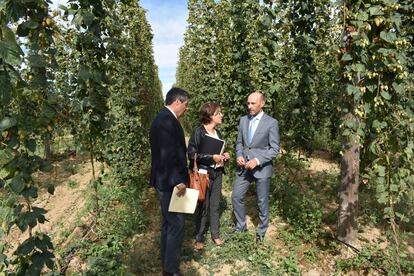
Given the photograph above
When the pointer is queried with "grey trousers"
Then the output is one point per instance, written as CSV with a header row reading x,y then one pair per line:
x,y
240,187
208,211
172,234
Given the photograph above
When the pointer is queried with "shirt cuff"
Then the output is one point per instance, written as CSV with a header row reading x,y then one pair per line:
x,y
257,161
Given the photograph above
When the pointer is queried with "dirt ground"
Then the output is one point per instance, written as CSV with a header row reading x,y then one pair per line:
x,y
63,207
66,205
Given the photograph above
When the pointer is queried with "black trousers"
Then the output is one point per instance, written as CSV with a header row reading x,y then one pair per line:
x,y
172,234
208,211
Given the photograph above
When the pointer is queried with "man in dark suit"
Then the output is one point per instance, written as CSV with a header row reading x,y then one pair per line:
x,y
169,170
257,144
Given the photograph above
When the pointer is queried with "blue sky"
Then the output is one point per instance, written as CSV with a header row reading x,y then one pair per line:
x,y
168,19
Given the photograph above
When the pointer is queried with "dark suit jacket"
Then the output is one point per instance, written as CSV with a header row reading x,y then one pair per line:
x,y
168,152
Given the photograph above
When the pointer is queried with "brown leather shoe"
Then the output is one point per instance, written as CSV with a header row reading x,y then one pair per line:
x,y
218,242
198,246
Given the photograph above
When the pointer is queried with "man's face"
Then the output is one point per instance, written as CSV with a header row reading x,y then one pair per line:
x,y
254,104
181,107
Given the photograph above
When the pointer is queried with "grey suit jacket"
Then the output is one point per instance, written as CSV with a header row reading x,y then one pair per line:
x,y
264,145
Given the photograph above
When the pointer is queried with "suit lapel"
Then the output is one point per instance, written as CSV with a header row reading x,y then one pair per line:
x,y
246,129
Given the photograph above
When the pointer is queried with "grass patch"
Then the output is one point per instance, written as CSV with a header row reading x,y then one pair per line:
x,y
73,184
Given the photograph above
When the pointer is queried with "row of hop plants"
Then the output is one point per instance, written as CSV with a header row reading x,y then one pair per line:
x,y
69,71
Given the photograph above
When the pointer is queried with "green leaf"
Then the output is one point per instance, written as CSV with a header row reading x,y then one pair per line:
x,y
6,88
9,49
388,36
367,108
7,123
49,261
388,211
375,10
383,198
376,124
24,28
51,189
351,124
399,88
6,155
30,219
396,19
385,95
37,263
84,73
26,247
37,61
384,51
17,184
30,192
43,242
48,111
346,57
46,166
393,188
39,211
363,16
352,90
360,67
371,87
381,171
402,217
31,145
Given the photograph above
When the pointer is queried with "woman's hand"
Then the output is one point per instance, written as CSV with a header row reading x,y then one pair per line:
x,y
218,158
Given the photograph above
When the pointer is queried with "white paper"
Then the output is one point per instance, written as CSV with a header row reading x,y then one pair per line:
x,y
184,204
202,171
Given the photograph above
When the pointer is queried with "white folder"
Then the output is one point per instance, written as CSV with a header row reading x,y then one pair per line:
x,y
184,204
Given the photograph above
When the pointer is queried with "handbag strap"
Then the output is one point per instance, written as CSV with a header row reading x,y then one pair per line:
x,y
195,163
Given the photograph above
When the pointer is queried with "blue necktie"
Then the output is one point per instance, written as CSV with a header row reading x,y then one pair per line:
x,y
251,129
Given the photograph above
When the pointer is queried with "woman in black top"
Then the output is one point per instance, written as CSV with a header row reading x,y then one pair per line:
x,y
210,117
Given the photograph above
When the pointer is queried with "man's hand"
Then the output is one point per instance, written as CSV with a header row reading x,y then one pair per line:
x,y
251,164
226,156
181,189
241,162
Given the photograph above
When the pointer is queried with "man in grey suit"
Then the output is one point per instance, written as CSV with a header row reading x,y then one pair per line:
x,y
257,144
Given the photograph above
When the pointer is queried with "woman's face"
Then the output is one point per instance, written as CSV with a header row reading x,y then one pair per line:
x,y
217,116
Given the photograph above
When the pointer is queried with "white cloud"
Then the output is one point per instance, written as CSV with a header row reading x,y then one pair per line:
x,y
169,31
166,55
165,87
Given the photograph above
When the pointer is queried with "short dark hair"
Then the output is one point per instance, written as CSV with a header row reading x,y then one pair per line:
x,y
206,111
174,94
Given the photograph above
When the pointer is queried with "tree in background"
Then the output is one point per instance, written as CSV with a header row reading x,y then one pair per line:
x,y
27,112
103,90
377,103
286,49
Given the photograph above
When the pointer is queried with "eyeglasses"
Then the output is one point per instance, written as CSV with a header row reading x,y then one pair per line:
x,y
217,113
